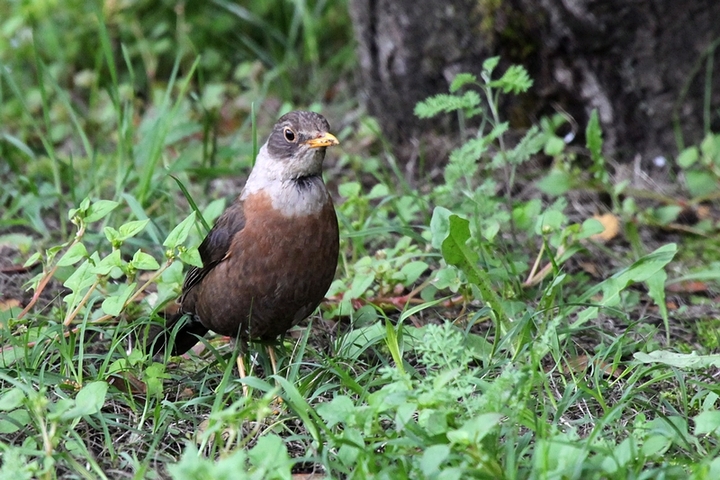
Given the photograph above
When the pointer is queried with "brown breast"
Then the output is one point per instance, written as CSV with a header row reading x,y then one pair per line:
x,y
276,272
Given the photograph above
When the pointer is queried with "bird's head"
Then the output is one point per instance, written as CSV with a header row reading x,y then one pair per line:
x,y
296,146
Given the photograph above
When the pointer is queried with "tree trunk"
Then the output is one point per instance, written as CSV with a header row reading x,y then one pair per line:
x,y
647,67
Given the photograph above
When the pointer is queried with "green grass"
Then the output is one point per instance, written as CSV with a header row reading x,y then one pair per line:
x,y
473,330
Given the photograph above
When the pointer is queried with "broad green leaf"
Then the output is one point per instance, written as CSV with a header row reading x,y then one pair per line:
x,y
270,458
130,229
11,399
114,304
555,183
456,252
191,256
432,458
707,423
700,183
12,422
410,272
180,233
688,157
339,411
88,401
679,360
105,266
74,254
99,210
143,261
474,429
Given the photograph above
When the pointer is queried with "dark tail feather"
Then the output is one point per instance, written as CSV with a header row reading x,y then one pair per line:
x,y
185,329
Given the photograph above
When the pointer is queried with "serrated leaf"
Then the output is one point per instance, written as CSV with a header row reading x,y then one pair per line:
x,y
489,64
515,80
99,210
460,80
74,254
143,261
180,233
114,304
445,103
130,229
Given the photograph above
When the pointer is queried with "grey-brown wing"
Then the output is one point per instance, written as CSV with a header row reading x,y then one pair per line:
x,y
215,246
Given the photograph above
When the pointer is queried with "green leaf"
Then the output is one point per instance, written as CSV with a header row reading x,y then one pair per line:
x,y
411,271
686,361
432,458
88,401
74,254
554,146
460,80
688,157
454,249
12,422
11,399
339,411
130,229
707,423
180,233
105,266
270,458
489,65
515,80
445,103
593,133
475,429
349,189
114,304
99,210
555,183
80,279
700,183
143,261
191,256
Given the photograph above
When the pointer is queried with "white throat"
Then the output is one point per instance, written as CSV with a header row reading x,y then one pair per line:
x,y
290,197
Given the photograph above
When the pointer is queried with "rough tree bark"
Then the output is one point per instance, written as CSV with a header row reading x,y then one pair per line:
x,y
647,67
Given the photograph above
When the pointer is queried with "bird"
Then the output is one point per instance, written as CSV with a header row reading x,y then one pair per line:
x,y
270,258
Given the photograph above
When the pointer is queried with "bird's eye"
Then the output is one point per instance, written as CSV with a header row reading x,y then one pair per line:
x,y
289,134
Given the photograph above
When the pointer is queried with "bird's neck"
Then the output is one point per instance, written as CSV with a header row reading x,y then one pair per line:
x,y
293,194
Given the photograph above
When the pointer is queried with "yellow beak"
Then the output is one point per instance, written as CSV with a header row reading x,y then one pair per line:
x,y
324,140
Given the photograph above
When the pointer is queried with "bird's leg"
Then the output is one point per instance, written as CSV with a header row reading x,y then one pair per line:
x,y
241,370
273,362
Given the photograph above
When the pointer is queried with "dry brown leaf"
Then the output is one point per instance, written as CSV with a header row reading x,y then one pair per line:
x,y
9,303
611,225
